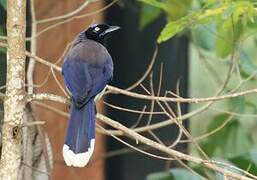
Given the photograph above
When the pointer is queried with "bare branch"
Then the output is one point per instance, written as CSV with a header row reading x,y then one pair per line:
x,y
116,90
131,110
33,48
132,134
45,96
68,15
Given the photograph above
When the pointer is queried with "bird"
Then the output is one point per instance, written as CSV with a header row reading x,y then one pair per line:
x,y
87,69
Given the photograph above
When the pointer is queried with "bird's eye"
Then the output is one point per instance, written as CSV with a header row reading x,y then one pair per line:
x,y
96,29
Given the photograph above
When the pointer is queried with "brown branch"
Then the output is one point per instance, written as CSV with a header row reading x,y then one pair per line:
x,y
60,99
116,90
35,123
133,147
46,96
131,110
132,134
169,151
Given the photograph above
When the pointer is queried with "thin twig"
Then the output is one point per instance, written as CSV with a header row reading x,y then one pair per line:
x,y
180,133
58,83
139,118
75,17
131,110
68,15
211,132
34,123
33,48
148,70
133,147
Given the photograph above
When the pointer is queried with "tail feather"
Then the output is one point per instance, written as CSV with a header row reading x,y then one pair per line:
x,y
80,138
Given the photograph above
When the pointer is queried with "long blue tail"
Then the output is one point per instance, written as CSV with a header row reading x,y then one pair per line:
x,y
80,137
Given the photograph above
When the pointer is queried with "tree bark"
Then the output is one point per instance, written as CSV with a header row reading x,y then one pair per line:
x,y
15,100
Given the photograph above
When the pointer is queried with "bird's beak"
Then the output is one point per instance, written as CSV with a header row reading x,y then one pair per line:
x,y
110,30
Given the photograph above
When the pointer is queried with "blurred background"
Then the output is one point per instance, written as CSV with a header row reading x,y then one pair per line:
x,y
206,55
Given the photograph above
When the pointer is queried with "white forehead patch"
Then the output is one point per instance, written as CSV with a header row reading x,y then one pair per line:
x,y
97,29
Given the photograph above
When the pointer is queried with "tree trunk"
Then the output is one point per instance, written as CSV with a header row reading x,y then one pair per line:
x,y
15,100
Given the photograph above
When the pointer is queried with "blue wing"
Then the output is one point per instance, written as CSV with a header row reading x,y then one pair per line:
x,y
78,80
85,81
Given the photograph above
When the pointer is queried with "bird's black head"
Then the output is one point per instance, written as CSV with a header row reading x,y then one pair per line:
x,y
99,32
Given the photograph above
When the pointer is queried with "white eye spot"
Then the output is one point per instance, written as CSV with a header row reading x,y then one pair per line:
x,y
97,29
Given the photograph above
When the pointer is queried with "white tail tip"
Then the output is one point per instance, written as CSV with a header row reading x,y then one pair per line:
x,y
80,159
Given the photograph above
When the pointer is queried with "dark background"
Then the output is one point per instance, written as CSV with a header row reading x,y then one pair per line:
x,y
132,50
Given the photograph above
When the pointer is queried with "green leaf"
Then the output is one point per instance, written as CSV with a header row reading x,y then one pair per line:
x,y
174,27
177,9
237,104
231,26
247,161
204,36
232,140
171,29
147,15
228,33
210,145
247,67
174,174
209,3
3,3
155,3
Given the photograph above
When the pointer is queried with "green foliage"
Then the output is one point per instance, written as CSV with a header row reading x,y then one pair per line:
x,y
247,67
231,18
218,28
204,36
208,3
237,104
3,3
232,140
174,174
231,25
247,161
148,15
151,9
155,3
174,27
171,29
228,33
177,9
